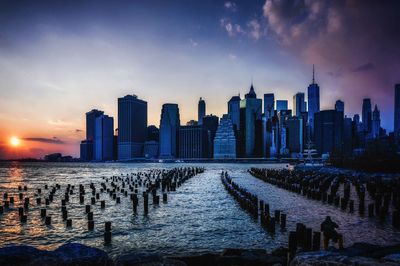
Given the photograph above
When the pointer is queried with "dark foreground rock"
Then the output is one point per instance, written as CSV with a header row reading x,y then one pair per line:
x,y
76,254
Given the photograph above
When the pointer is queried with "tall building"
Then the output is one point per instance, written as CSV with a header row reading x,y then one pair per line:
x,y
201,112
295,139
169,129
153,133
132,127
281,105
376,123
234,111
193,142
299,105
86,150
283,116
104,142
225,140
91,123
339,106
313,103
250,124
328,127
397,110
367,114
210,125
347,136
269,105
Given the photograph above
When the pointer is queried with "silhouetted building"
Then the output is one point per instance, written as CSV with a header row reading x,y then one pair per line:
x,y
367,114
328,126
104,141
201,112
91,123
269,105
283,116
225,140
251,125
339,106
313,104
210,124
193,141
295,136
192,123
299,105
151,149
348,136
153,133
86,150
234,111
169,130
281,105
132,127
376,123
397,111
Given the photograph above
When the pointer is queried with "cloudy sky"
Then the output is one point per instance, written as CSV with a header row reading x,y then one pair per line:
x,y
59,59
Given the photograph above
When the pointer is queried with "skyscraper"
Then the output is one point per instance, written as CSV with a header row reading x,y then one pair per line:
x,y
234,111
367,114
91,123
299,105
132,127
339,106
397,110
104,142
269,105
225,140
193,142
210,125
201,112
328,127
313,103
376,123
281,105
250,121
169,126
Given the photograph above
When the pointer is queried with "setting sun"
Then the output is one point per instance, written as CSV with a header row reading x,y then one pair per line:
x,y
14,141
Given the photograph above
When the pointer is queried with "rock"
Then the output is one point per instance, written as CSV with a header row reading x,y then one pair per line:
x,y
322,258
393,258
138,258
20,255
78,254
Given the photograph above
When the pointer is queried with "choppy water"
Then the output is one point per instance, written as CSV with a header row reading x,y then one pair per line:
x,y
200,216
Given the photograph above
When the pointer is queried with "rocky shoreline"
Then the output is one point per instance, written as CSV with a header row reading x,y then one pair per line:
x,y
78,254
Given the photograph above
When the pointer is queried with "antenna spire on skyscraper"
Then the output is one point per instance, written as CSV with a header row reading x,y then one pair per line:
x,y
313,74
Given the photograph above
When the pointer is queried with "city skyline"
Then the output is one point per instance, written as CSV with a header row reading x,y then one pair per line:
x,y
217,49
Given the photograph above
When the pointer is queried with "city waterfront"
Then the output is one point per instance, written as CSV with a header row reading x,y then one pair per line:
x,y
200,215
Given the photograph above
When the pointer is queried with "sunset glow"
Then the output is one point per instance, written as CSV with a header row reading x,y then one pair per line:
x,y
14,141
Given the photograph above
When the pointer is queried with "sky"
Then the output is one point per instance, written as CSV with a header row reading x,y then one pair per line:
x,y
60,59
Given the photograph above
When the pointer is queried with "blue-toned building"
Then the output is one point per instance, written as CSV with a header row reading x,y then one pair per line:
x,y
328,127
313,104
367,115
269,105
225,139
234,111
132,127
250,125
299,104
210,125
281,105
169,130
193,142
104,142
86,150
201,111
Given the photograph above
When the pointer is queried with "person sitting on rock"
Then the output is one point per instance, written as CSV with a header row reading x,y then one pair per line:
x,y
328,228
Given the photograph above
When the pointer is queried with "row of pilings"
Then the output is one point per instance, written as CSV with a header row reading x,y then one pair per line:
x,y
302,239
323,187
94,198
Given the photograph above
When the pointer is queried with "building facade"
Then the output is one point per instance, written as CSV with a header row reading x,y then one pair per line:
x,y
193,141
225,139
104,142
132,127
397,110
281,105
376,123
328,127
313,104
201,111
299,104
169,130
234,111
367,114
269,105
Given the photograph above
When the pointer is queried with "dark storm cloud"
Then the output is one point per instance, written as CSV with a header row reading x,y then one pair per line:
x,y
364,67
53,140
340,34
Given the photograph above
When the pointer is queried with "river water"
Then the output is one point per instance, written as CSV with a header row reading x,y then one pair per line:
x,y
200,216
